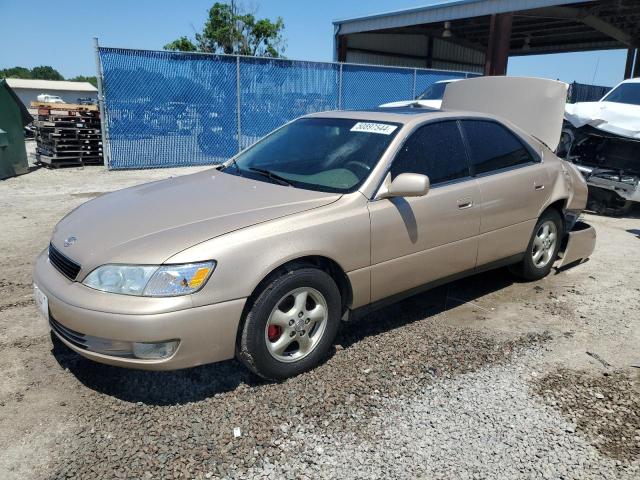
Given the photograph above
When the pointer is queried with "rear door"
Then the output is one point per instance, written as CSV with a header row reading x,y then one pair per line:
x,y
513,186
421,239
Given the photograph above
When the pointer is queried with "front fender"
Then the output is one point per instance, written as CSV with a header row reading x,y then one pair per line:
x,y
339,231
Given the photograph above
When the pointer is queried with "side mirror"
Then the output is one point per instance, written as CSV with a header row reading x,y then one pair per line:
x,y
406,185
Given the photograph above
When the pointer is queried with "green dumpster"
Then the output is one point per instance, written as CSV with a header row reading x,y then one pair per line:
x,y
13,117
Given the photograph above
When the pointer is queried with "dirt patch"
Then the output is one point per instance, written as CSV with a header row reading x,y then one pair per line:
x,y
604,408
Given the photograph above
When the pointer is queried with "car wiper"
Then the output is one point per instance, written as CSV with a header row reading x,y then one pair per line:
x,y
272,176
232,164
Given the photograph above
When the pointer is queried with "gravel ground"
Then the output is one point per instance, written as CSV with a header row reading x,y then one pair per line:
x,y
484,424
483,378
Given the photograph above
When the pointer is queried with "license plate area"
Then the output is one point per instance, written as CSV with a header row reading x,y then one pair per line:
x,y
42,302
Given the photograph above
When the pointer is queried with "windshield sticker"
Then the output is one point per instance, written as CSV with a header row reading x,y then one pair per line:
x,y
369,127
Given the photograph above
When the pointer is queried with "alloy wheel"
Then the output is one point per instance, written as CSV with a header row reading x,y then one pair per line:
x,y
296,324
544,244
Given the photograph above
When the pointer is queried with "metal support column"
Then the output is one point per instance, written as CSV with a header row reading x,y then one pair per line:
x,y
628,67
497,56
106,153
636,65
429,62
342,48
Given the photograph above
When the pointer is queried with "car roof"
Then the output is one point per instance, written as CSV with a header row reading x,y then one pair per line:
x,y
384,114
407,116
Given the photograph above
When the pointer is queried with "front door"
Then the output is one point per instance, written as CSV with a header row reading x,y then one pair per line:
x,y
421,239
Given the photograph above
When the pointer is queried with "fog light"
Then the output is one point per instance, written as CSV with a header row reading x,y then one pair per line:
x,y
154,351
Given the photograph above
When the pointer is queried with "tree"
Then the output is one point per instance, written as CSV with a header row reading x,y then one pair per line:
x,y
183,44
15,72
45,72
81,78
231,31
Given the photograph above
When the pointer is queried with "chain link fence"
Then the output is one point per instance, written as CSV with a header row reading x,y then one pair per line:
x,y
168,109
581,92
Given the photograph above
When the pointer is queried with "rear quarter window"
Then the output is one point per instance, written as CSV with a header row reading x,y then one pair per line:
x,y
494,147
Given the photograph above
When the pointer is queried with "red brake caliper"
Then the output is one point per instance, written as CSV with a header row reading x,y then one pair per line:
x,y
274,332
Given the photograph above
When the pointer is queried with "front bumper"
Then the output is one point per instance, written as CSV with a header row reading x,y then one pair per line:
x,y
580,244
207,333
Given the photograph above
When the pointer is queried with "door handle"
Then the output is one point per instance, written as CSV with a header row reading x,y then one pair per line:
x,y
538,186
466,202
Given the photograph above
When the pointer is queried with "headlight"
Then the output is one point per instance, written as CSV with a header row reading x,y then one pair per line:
x,y
150,281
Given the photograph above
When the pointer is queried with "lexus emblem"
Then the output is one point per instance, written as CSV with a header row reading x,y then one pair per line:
x,y
69,241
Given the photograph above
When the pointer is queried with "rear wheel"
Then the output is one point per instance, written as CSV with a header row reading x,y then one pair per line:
x,y
291,324
543,247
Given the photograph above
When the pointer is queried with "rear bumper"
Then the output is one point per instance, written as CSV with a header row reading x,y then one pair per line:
x,y
581,241
206,334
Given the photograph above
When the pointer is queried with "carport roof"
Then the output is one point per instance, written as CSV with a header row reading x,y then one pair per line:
x,y
539,26
51,85
440,12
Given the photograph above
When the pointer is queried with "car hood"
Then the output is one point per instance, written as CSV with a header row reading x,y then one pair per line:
x,y
149,223
618,118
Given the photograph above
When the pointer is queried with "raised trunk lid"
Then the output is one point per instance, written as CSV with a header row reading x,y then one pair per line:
x,y
536,105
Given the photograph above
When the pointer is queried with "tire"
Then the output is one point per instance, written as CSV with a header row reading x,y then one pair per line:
x,y
540,254
285,332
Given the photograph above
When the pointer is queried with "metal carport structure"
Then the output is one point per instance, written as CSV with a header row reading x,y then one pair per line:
x,y
480,35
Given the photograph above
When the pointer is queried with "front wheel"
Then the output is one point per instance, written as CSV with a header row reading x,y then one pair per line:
x,y
291,324
543,247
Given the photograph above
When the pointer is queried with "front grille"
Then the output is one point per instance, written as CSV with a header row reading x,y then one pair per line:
x,y
63,264
71,336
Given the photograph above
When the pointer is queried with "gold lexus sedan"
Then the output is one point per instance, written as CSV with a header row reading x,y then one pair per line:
x,y
329,216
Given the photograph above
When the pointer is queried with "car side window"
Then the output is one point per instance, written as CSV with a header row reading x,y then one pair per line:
x,y
435,150
493,147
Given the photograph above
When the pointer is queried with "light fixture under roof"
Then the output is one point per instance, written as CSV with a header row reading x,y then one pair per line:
x,y
447,30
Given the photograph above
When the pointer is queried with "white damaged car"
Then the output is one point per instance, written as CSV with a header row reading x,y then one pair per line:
x,y
603,139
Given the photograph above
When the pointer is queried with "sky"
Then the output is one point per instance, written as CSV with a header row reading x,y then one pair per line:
x,y
60,34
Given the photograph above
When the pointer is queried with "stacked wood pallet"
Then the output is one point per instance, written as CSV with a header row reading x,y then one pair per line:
x,y
67,134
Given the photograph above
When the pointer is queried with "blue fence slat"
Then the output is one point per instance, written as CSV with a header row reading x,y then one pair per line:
x,y
581,92
273,92
367,87
167,109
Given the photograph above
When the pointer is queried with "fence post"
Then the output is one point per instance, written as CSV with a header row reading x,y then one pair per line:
x,y
106,155
415,76
572,92
238,102
340,88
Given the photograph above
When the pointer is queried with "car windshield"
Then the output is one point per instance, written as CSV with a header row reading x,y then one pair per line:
x,y
625,93
434,92
325,154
